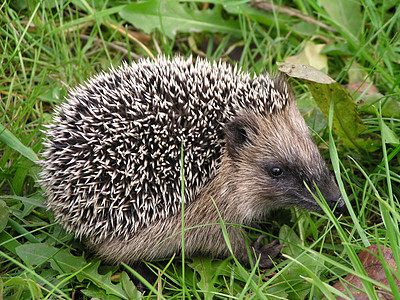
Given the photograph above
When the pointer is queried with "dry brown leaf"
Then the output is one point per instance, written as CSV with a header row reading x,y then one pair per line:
x,y
363,86
305,72
374,270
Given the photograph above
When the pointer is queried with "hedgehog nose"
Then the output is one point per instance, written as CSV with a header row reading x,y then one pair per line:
x,y
337,204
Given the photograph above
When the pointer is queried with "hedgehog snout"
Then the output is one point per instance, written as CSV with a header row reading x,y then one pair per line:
x,y
337,205
333,196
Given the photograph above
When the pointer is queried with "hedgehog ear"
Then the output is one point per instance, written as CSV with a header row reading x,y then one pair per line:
x,y
237,133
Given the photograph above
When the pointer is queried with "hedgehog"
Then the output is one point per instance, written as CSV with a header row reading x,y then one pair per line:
x,y
122,145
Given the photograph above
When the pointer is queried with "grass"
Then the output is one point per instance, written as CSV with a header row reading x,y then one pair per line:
x,y
47,46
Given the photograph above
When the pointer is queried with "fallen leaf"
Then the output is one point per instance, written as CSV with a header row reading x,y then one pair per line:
x,y
311,56
305,72
362,87
346,120
374,269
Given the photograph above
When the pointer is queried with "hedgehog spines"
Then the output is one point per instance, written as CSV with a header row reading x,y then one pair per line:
x,y
112,159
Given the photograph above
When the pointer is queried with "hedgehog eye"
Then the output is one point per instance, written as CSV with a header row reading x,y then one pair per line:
x,y
276,172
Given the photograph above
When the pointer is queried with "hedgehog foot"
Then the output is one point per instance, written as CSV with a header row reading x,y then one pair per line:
x,y
145,272
267,252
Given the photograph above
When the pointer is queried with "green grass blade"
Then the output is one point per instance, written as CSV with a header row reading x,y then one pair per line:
x,y
13,142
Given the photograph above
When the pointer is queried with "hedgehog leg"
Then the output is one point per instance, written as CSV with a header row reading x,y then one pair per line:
x,y
143,270
147,274
267,252
263,253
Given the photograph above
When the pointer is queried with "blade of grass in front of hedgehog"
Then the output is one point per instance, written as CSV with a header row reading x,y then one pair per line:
x,y
370,291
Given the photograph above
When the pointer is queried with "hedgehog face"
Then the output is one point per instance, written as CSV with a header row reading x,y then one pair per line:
x,y
276,159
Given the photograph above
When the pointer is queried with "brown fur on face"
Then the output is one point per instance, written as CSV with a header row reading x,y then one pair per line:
x,y
279,140
243,189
